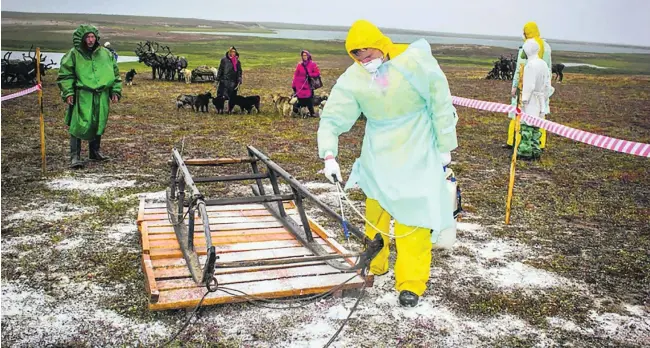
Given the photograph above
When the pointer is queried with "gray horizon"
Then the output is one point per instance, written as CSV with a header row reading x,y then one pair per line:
x,y
596,21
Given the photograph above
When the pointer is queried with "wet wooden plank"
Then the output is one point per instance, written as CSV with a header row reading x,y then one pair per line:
x,y
175,253
260,275
141,211
221,220
224,227
277,288
149,278
144,236
183,272
199,241
161,265
233,207
170,235
230,213
217,161
267,254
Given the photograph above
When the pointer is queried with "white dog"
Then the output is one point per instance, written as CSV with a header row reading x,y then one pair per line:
x,y
187,74
214,72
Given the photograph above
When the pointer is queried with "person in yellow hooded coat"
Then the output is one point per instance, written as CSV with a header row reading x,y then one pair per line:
x,y
410,132
531,31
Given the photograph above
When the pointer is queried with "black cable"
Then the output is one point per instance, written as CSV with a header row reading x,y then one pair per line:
x,y
187,322
336,334
254,299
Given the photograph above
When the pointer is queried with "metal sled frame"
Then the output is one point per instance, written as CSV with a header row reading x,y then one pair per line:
x,y
180,207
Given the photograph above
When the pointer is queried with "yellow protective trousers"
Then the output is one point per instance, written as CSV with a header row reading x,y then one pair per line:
x,y
413,263
511,135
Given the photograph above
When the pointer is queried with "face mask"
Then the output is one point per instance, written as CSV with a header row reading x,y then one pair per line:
x,y
373,65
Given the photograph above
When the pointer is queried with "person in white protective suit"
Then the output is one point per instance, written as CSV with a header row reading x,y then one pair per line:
x,y
410,131
536,90
537,82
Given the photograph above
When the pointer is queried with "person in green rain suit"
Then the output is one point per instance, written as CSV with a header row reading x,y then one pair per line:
x,y
89,80
410,132
533,139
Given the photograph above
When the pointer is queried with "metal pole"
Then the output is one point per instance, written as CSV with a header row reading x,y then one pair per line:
x,y
303,216
256,171
300,188
190,232
172,179
276,190
273,262
40,105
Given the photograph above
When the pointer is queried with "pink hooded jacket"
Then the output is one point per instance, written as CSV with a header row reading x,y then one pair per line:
x,y
300,83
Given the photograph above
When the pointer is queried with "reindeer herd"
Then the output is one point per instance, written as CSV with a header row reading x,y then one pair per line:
x,y
504,69
162,61
22,72
167,66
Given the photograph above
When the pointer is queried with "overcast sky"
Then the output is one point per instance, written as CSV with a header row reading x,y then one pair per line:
x,y
607,21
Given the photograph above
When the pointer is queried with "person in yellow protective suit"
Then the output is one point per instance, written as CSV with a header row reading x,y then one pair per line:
x,y
531,31
410,131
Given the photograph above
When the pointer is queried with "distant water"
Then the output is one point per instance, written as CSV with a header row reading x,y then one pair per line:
x,y
56,57
325,35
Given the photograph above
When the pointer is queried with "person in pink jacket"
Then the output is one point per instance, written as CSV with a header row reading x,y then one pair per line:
x,y
301,85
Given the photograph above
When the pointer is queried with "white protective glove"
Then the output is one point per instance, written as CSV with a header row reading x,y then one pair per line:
x,y
445,158
332,168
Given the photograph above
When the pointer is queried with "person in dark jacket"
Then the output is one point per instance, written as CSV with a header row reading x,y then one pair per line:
x,y
229,77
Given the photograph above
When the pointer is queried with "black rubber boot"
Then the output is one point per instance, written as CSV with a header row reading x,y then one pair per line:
x,y
95,154
75,153
408,299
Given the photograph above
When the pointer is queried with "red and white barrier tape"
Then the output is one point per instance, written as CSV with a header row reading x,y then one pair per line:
x,y
21,93
619,145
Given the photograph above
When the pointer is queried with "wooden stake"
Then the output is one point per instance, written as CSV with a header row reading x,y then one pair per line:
x,y
40,104
513,165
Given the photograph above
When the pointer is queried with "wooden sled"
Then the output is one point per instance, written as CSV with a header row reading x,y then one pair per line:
x,y
264,246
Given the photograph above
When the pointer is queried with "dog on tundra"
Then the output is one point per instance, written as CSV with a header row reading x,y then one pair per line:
x,y
187,75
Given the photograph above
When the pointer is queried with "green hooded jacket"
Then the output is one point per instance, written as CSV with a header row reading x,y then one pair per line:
x,y
91,76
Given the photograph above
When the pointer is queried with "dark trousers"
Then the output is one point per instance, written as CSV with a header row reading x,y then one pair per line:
x,y
308,102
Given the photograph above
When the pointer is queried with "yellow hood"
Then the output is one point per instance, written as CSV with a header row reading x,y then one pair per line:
x,y
531,31
363,34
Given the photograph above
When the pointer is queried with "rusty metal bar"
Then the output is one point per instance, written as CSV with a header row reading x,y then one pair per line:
x,y
256,171
249,200
303,190
286,261
231,177
210,162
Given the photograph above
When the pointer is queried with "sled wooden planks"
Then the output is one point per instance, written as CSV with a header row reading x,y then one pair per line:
x,y
244,232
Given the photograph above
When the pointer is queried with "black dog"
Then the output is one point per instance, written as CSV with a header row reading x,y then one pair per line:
x,y
129,77
318,100
185,99
557,69
245,103
201,102
219,103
